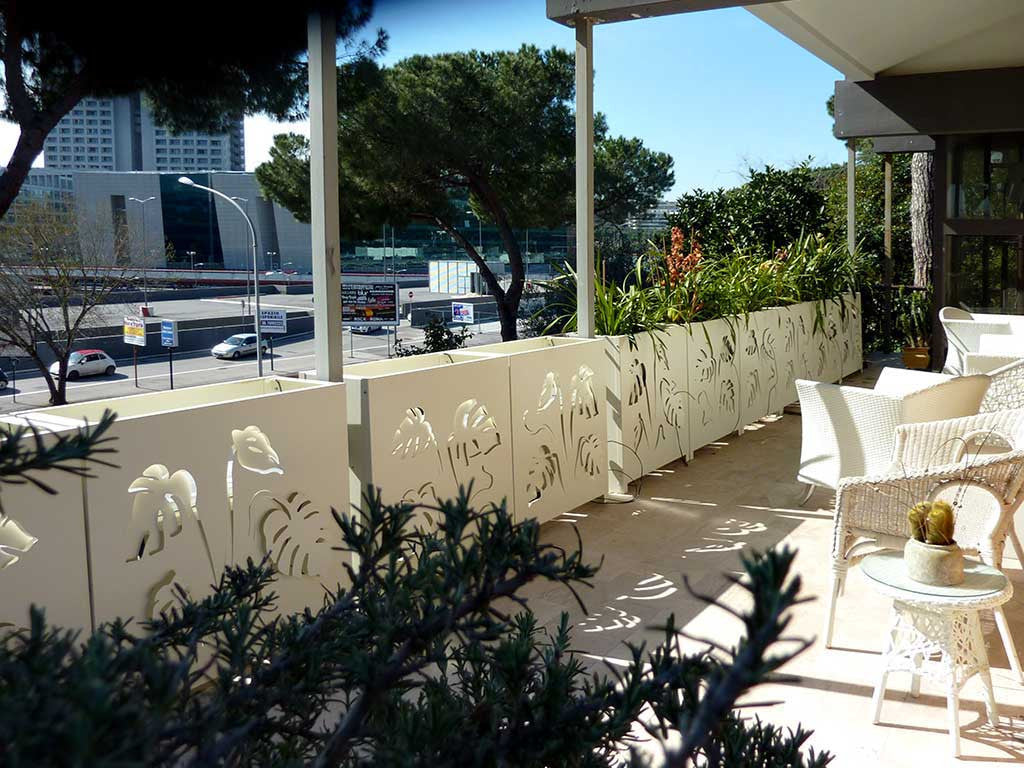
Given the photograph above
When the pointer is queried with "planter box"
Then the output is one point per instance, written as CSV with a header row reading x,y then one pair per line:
x,y
208,476
559,430
422,427
714,380
648,406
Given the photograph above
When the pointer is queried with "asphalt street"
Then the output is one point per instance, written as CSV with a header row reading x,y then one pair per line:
x,y
291,354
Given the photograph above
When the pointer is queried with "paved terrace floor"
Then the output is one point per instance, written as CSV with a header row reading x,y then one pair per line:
x,y
738,495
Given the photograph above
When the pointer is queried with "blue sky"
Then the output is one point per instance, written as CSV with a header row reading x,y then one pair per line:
x,y
718,91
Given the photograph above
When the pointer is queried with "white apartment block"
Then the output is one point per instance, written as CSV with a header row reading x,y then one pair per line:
x,y
119,134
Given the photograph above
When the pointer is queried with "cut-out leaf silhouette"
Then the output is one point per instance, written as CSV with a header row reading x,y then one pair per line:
x,y
545,470
474,431
588,456
636,380
158,509
166,596
295,536
550,392
414,435
252,449
584,399
15,541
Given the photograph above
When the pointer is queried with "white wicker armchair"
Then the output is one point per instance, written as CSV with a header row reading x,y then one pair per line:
x,y
1007,374
963,461
849,431
963,336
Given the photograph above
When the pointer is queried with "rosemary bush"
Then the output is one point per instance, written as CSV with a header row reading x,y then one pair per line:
x,y
429,656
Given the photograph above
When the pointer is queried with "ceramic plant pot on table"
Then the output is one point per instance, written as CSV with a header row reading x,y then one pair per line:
x,y
940,565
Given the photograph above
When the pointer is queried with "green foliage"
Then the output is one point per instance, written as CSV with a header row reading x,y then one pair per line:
x,y
811,268
22,457
870,204
416,662
497,127
437,337
773,208
234,65
624,308
913,312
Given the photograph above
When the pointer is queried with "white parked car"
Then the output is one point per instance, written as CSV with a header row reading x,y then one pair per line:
x,y
87,362
239,345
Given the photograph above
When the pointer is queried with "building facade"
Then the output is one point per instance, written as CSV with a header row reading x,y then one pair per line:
x,y
120,134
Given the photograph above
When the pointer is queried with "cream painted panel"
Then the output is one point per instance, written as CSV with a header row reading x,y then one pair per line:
x,y
421,427
767,350
850,331
812,355
714,380
42,553
648,404
203,487
559,431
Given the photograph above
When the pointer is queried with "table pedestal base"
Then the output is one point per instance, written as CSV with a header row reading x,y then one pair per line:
x,y
944,644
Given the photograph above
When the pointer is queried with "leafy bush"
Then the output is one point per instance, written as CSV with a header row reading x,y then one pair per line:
x,y
913,310
417,662
772,208
437,337
682,285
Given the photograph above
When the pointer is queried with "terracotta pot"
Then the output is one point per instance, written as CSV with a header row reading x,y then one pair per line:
x,y
916,358
940,565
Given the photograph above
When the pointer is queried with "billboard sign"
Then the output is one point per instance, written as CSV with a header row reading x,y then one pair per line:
x,y
168,333
135,331
273,320
462,312
365,304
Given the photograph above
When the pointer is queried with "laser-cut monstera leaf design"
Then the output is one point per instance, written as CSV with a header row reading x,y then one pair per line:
x,y
295,536
673,403
15,541
550,393
588,456
474,432
166,596
584,399
636,381
161,501
545,471
253,451
414,435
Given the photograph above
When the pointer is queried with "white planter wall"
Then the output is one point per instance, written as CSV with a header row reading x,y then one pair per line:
x,y
207,476
729,372
559,430
420,427
648,406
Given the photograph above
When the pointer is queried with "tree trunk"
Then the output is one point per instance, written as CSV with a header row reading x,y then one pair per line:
x,y
508,314
30,144
922,206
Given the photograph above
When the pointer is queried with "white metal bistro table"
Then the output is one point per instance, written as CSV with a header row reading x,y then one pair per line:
x,y
935,631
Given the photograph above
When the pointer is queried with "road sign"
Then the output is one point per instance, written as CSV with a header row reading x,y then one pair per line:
x,y
369,304
462,312
273,320
135,331
168,333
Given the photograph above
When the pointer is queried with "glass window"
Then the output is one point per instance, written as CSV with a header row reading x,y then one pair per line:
x,y
988,177
987,274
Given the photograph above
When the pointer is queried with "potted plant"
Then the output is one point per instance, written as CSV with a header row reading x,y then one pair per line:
x,y
931,554
914,322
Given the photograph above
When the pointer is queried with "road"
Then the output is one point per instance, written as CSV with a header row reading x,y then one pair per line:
x,y
193,369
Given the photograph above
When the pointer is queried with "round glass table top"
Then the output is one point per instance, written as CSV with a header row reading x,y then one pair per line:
x,y
888,569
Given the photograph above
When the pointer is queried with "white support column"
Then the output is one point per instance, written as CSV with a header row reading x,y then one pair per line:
x,y
851,195
328,341
585,176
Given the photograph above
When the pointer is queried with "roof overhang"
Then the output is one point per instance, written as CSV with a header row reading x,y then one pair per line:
x,y
603,11
863,39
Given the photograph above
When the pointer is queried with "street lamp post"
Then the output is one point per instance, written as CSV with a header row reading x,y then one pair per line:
x,y
246,201
145,257
255,273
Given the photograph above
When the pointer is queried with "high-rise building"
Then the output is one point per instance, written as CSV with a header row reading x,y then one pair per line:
x,y
119,134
